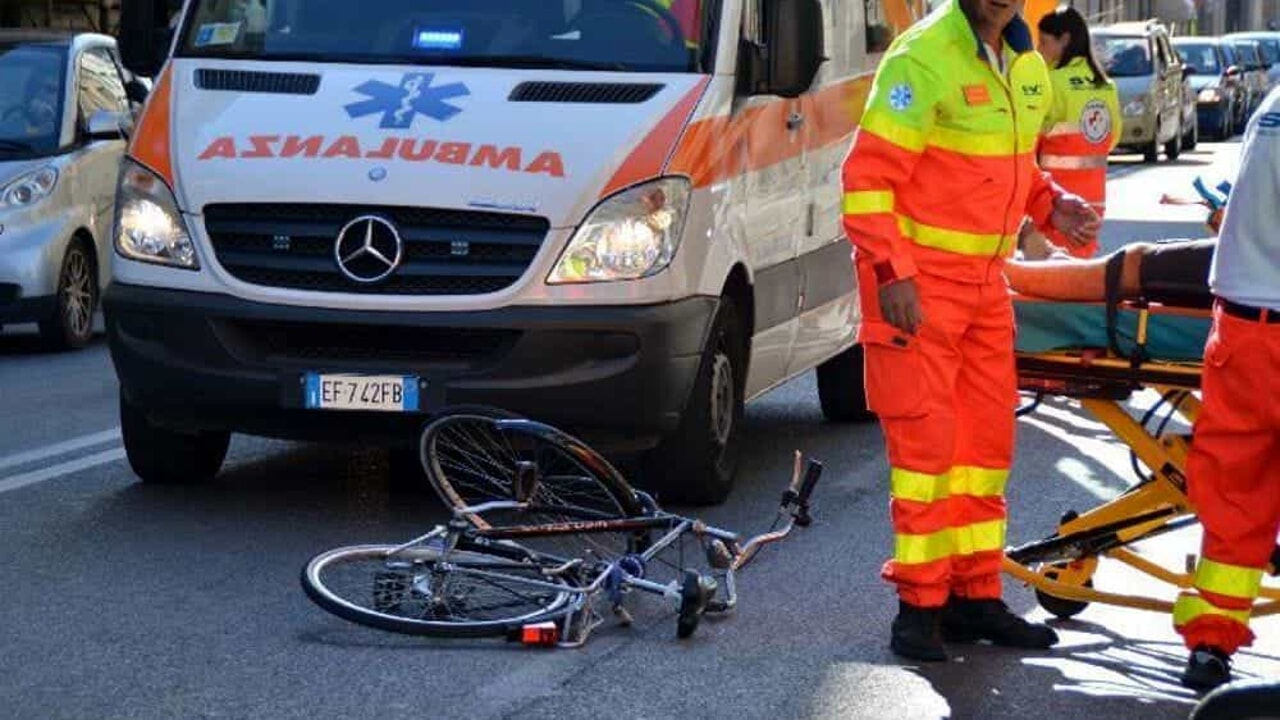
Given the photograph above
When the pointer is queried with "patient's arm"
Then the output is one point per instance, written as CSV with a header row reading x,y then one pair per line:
x,y
1073,280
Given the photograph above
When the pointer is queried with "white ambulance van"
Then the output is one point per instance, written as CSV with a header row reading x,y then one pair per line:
x,y
621,217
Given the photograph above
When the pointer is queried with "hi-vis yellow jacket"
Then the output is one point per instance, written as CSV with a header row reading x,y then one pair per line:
x,y
942,170
1081,129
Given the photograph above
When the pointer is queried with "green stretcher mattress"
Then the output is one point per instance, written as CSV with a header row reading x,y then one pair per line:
x,y
1044,326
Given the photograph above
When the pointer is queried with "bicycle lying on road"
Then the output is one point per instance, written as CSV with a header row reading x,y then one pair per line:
x,y
572,533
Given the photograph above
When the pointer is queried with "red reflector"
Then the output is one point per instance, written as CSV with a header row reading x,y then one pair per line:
x,y
543,634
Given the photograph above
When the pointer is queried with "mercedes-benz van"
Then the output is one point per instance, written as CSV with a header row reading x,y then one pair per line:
x,y
621,217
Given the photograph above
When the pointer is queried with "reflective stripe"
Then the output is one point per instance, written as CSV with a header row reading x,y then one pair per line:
x,y
956,241
867,202
885,128
978,482
971,143
967,540
1073,162
1232,580
920,487
1190,607
980,537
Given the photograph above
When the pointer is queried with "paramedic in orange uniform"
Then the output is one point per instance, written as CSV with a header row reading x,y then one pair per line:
x,y
938,180
1083,124
1233,468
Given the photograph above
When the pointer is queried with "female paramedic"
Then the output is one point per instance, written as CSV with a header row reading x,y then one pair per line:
x,y
1083,123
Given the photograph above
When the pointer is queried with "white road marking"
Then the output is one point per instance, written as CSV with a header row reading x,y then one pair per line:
x,y
67,446
57,471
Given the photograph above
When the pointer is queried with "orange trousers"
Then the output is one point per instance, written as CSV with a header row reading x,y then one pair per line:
x,y
1233,476
945,399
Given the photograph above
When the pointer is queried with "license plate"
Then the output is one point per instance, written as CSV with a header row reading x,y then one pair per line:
x,y
386,393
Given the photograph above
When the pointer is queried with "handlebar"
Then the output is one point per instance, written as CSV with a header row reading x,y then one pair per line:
x,y
795,506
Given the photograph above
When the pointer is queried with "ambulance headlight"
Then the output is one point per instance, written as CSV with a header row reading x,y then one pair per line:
x,y
631,235
149,227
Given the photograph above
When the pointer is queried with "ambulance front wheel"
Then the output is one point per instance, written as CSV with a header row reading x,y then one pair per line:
x,y
697,462
842,387
161,456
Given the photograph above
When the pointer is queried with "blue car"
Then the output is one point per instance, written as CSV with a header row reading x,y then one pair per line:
x,y
1216,82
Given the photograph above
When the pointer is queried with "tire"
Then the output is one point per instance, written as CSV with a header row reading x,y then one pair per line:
x,y
1151,152
1242,700
472,459
842,387
160,456
1173,148
405,472
71,325
386,581
696,464
1192,138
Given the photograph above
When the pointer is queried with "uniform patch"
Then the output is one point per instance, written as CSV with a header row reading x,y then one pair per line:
x,y
1095,121
901,97
976,94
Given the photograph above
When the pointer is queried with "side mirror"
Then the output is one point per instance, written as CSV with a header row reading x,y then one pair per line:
x,y
145,35
107,125
788,62
1188,71
1233,71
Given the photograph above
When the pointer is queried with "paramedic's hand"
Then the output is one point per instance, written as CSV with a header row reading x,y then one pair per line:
x,y
1073,217
900,306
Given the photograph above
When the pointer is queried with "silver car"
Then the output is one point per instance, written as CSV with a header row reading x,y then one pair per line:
x,y
65,111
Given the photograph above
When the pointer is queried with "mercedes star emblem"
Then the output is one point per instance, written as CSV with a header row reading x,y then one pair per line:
x,y
368,249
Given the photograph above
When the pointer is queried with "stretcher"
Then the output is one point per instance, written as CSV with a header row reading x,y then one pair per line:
x,y
1101,354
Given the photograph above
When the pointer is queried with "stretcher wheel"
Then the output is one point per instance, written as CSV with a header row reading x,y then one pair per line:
x,y
1078,574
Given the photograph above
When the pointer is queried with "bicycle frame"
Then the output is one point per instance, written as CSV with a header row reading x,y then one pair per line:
x,y
726,558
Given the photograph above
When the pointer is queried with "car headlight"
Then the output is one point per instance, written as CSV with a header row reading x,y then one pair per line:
x,y
29,188
1209,95
1136,106
149,226
631,235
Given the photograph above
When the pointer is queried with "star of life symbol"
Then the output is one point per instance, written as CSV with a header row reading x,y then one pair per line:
x,y
401,104
1095,121
900,97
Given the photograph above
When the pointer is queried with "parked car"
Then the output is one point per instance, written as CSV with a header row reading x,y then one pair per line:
x,y
64,115
1216,84
1253,71
1149,76
1269,44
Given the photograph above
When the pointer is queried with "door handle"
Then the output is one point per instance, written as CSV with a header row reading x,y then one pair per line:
x,y
794,121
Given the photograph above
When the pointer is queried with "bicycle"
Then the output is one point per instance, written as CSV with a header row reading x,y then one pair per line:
x,y
475,576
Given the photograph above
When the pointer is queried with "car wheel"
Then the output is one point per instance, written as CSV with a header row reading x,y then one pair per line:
x,y
1151,151
1191,138
160,456
696,464
842,387
1173,148
71,325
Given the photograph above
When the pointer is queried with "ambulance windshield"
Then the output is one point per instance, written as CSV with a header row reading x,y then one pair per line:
x,y
619,35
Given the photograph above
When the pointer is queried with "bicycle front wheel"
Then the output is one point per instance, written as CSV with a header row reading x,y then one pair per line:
x,y
472,592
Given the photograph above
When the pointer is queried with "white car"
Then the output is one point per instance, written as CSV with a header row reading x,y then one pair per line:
x,y
64,115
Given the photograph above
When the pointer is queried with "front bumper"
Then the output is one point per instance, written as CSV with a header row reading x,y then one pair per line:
x,y
618,376
30,259
1137,131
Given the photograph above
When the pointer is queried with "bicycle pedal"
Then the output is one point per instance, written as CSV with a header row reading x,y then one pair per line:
x,y
624,616
718,555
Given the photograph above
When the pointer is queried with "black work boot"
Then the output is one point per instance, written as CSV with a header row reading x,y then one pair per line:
x,y
965,620
915,633
1207,668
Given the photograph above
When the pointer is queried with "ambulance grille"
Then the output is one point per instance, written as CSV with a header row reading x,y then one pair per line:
x,y
576,92
446,252
257,82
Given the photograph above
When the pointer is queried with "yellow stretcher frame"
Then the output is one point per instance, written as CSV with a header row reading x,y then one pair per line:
x,y
1061,566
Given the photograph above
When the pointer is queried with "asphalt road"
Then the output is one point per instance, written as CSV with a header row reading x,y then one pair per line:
x,y
125,601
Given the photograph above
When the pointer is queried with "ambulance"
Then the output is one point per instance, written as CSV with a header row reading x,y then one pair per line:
x,y
621,217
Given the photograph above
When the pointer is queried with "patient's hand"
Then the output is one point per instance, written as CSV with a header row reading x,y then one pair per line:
x,y
900,306
1075,219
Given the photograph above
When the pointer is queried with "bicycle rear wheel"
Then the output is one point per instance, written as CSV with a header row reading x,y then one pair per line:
x,y
473,592
472,459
